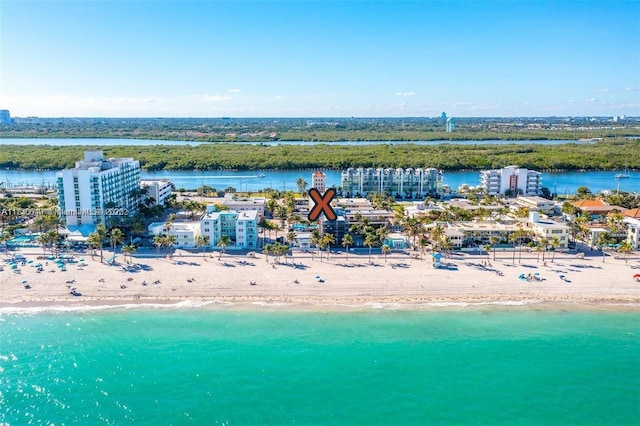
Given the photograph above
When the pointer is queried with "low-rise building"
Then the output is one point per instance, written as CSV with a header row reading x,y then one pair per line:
x,y
185,233
247,230
158,190
632,223
535,203
245,204
595,208
240,227
455,236
549,229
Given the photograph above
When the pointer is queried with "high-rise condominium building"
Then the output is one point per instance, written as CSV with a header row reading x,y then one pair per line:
x,y
96,189
511,181
400,183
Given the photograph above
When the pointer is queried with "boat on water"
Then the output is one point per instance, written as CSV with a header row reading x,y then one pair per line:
x,y
624,175
261,175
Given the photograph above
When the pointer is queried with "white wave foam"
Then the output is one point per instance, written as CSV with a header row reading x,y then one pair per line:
x,y
184,304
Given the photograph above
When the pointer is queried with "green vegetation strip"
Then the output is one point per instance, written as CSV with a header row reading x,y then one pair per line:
x,y
605,155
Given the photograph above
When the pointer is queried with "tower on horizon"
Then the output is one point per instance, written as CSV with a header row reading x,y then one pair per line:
x,y
319,181
450,125
5,117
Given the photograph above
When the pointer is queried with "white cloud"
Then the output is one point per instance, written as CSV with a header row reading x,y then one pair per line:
x,y
631,89
603,90
233,90
591,100
405,93
278,97
212,98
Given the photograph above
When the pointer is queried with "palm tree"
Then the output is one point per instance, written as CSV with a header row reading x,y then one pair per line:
x,y
544,244
423,243
4,239
514,238
625,248
382,234
302,186
282,213
322,243
128,249
93,240
159,241
101,232
447,245
169,242
487,248
555,243
268,248
347,241
47,239
328,239
494,241
370,240
117,237
603,242
292,237
202,241
223,242
385,250
523,234
316,238
436,234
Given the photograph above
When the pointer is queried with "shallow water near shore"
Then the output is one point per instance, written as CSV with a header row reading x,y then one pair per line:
x,y
366,366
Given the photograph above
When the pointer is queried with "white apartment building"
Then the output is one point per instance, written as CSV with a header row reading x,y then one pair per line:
x,y
536,203
85,191
247,230
511,179
632,223
633,231
186,233
482,232
159,190
549,229
240,227
399,183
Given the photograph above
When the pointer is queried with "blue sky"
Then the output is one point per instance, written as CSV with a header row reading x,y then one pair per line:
x,y
319,58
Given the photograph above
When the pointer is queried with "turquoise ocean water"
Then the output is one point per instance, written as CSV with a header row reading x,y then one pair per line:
x,y
365,367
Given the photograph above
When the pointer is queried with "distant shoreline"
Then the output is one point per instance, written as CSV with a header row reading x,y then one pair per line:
x,y
604,155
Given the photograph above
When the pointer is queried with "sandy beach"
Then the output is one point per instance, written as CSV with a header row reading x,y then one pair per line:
x,y
402,280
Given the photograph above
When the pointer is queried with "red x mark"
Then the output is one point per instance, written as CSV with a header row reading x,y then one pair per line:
x,y
322,204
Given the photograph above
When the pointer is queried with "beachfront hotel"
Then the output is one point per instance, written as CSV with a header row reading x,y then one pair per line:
x,y
512,181
241,227
400,183
97,188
